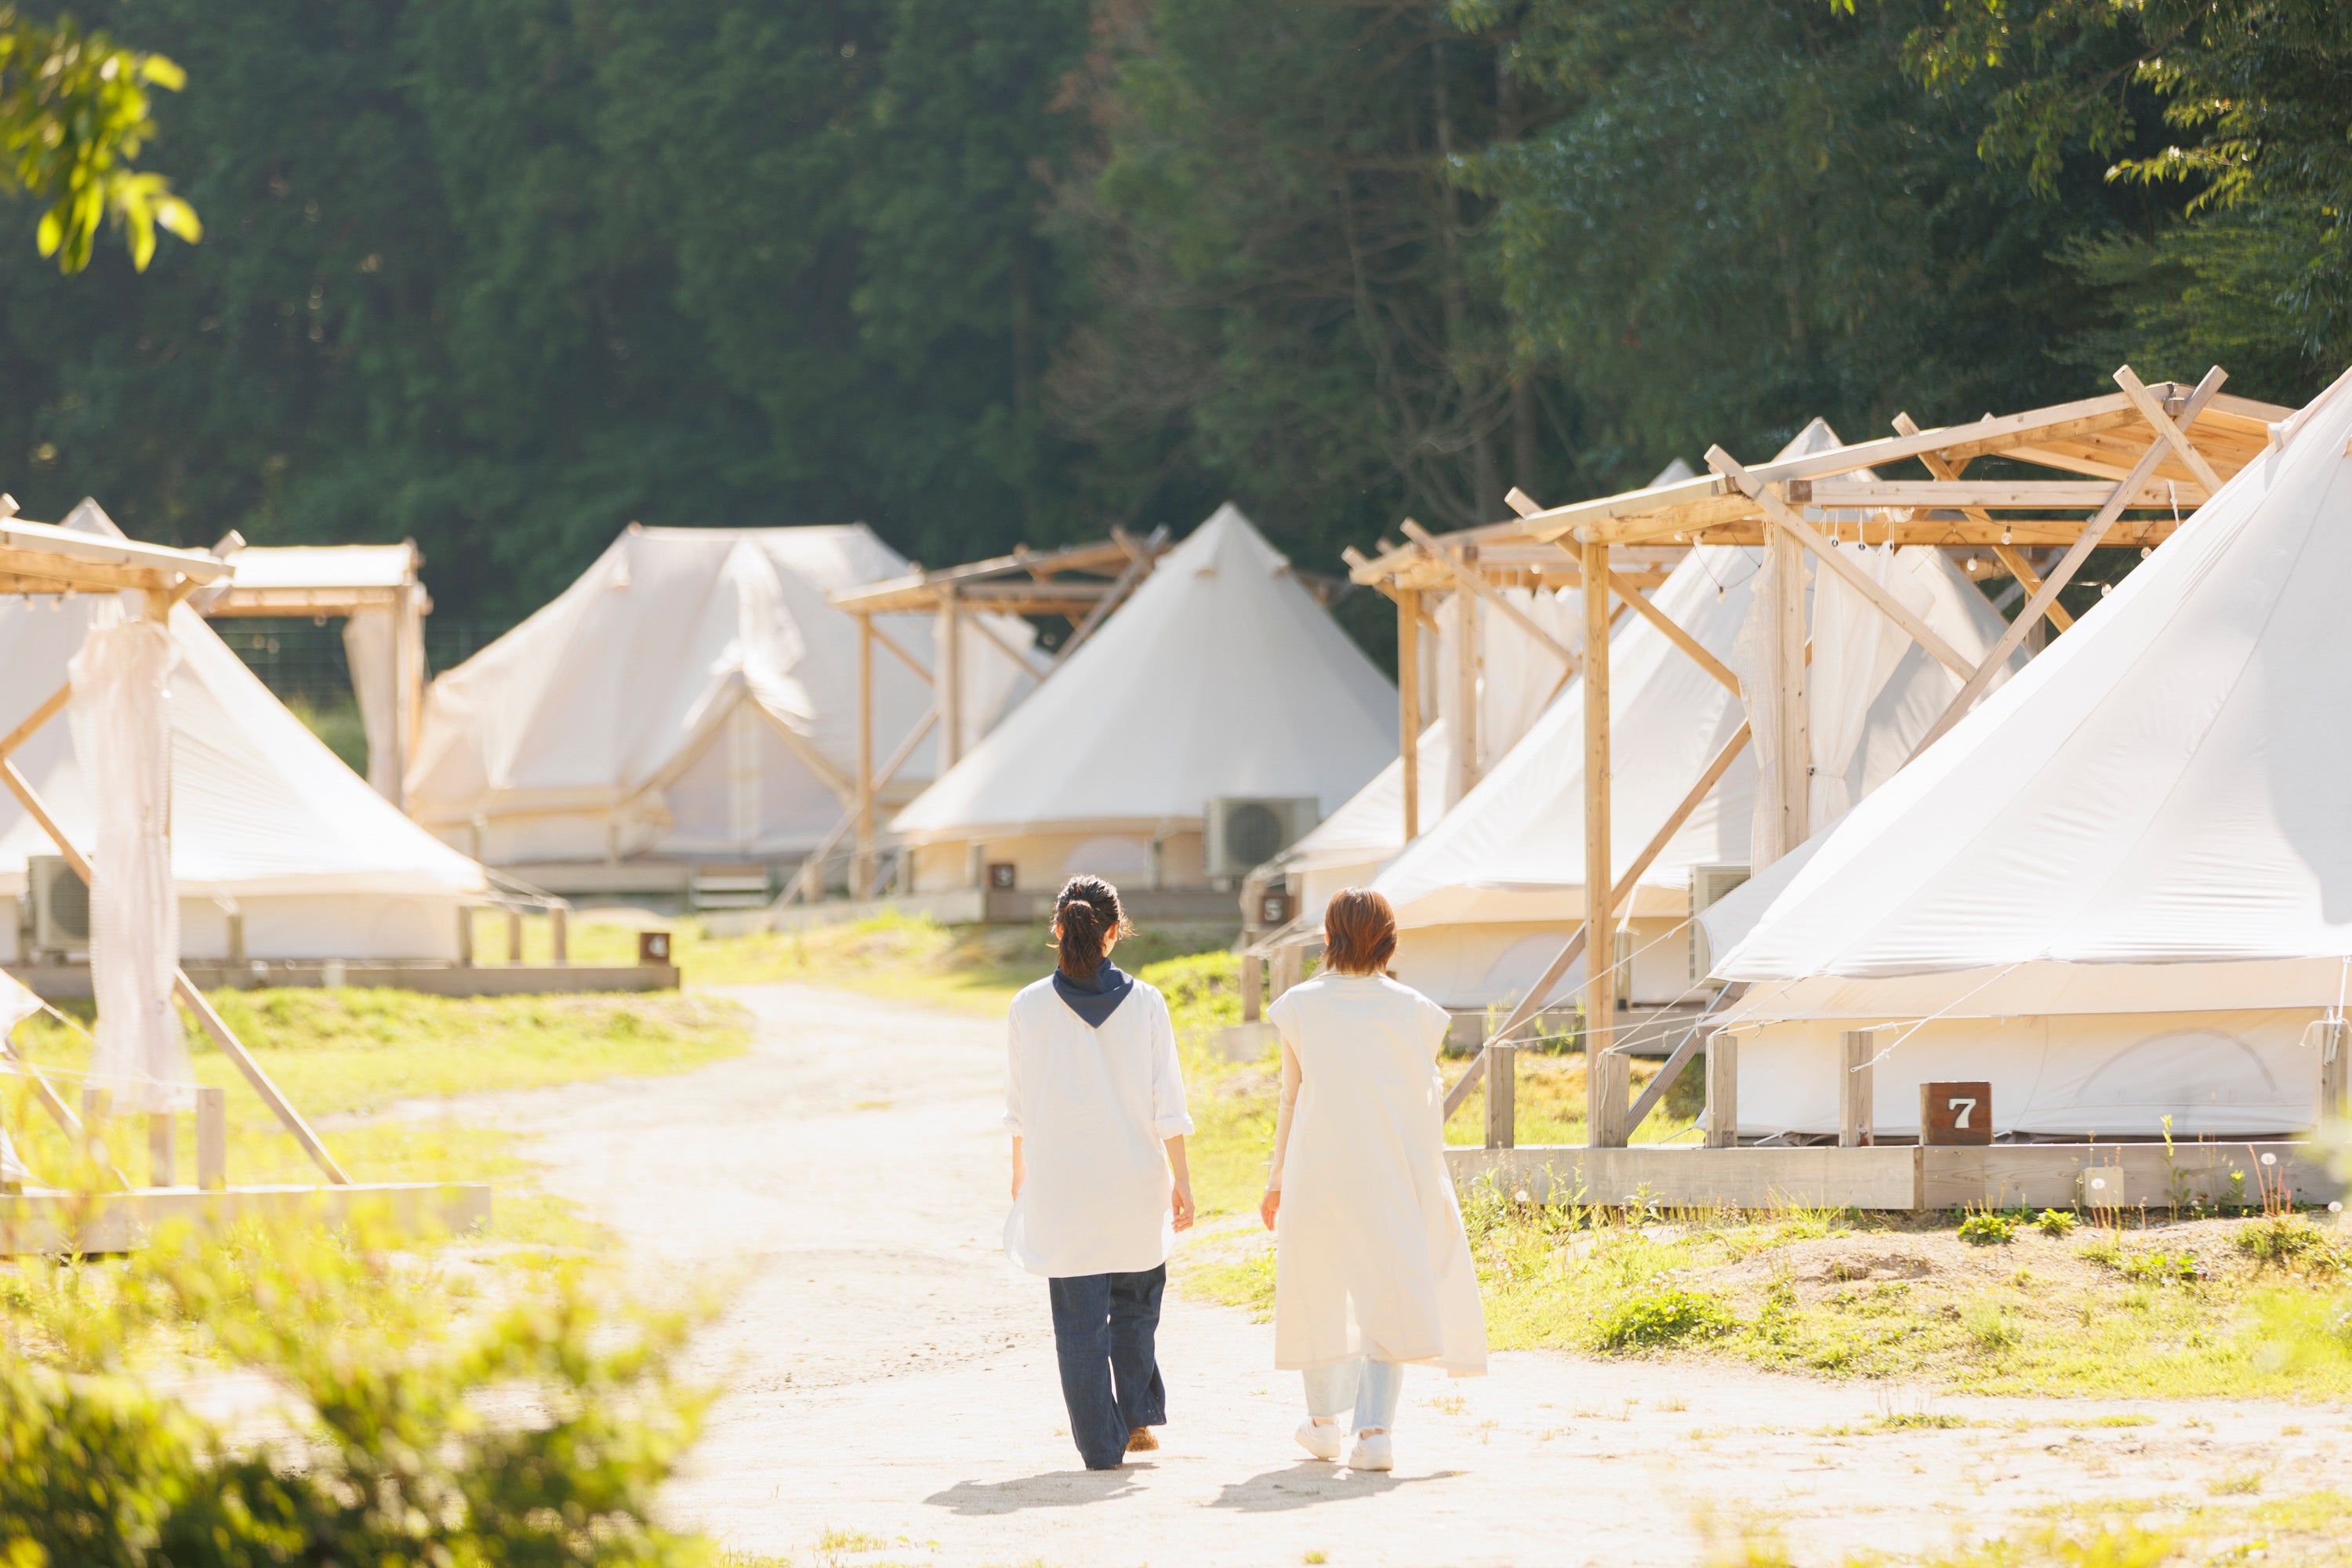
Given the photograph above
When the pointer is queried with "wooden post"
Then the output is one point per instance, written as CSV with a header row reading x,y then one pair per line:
x,y
559,929
1409,706
1605,1106
1502,1099
212,1138
1723,1089
1253,987
2335,1072
948,661
465,936
1289,966
1856,1106
159,1150
514,936
861,874
1464,728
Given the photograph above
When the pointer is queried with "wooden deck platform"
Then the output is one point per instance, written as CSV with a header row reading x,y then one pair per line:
x,y
1903,1177
53,1222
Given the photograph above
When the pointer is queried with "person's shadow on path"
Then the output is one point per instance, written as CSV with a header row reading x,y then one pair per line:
x,y
1054,1488
1306,1483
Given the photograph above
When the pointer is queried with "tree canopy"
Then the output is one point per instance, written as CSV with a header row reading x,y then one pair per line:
x,y
504,275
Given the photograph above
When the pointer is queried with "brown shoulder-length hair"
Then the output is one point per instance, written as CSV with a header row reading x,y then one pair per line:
x,y
1360,933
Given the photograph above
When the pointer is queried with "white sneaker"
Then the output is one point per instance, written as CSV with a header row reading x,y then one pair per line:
x,y
1373,1452
1322,1441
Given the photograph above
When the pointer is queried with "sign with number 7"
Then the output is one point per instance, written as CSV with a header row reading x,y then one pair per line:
x,y
1956,1113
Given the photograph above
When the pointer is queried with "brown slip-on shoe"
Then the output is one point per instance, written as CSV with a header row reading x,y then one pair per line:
x,y
1141,1441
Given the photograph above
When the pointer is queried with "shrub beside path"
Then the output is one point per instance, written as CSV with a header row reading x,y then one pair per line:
x,y
887,1386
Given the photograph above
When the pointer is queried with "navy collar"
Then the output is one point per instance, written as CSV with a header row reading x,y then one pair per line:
x,y
1096,997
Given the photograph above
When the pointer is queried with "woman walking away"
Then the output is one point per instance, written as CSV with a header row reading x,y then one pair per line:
x,y
1095,1101
1371,1269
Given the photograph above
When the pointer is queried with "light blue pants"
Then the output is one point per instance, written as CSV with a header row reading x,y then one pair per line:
x,y
1370,1388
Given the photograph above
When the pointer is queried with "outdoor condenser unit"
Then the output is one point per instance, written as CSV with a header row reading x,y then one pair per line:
x,y
1246,831
1709,884
61,904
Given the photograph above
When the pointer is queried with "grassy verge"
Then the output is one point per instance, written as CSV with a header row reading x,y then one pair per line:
x,y
2310,1529
972,968
344,1056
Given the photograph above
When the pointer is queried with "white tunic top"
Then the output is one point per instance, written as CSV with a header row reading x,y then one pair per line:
x,y
1370,1258
1092,1107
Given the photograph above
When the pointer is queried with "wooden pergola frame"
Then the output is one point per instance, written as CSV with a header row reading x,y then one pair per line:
x,y
407,599
39,559
1461,574
2141,460
1025,582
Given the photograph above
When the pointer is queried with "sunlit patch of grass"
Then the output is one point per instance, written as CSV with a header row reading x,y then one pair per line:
x,y
2300,1531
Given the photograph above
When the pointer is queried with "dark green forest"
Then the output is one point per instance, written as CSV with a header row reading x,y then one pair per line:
x,y
503,275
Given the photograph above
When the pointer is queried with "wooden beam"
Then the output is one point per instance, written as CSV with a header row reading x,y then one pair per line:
x,y
1464,575
979,624
892,644
947,656
2022,570
1138,568
1463,727
861,876
1837,560
1604,1111
2173,435
2094,532
1723,1089
1857,1104
1999,495
49,709
1640,605
1655,1090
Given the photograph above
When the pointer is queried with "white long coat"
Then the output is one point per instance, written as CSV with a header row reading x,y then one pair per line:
x,y
1370,1259
1093,1108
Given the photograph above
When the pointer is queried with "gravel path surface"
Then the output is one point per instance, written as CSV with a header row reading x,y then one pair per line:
x,y
886,1373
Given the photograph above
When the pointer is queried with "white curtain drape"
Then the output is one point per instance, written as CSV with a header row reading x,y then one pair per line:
x,y
371,642
17,1005
1517,676
1755,659
1856,647
122,742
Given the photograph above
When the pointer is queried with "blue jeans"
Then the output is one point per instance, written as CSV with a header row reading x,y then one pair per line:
x,y
1104,1325
1370,1388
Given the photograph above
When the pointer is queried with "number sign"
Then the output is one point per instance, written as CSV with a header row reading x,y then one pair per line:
x,y
1956,1113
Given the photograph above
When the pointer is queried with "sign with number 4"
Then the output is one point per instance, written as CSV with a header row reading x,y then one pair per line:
x,y
1956,1113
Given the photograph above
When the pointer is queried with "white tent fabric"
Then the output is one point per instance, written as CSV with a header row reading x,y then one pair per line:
x,y
2136,857
692,693
1347,847
17,1005
265,819
1487,895
372,643
1221,677
122,739
1517,676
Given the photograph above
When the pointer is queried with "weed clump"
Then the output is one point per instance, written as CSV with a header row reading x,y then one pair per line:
x,y
1663,1315
2055,1222
1989,1229
2279,1238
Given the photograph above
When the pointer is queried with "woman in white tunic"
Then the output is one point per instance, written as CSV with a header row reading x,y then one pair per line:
x,y
1371,1269
1095,1101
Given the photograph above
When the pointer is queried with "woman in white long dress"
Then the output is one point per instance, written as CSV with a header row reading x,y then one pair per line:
x,y
1371,1270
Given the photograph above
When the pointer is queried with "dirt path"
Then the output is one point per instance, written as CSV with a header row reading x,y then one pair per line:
x,y
888,1373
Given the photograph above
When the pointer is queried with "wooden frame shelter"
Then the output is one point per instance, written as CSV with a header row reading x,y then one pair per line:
x,y
294,581
1458,575
39,559
2138,463
1081,583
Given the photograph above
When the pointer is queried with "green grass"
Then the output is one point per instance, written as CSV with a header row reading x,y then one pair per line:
x,y
912,958
2301,1532
342,1055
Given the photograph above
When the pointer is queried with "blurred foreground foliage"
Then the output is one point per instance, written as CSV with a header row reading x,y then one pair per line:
x,y
535,1432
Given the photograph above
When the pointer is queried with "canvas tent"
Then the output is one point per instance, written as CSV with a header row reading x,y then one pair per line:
x,y
2120,889
692,696
1221,677
1485,896
267,825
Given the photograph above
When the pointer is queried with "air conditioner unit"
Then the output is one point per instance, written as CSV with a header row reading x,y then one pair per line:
x,y
1708,885
1246,831
61,904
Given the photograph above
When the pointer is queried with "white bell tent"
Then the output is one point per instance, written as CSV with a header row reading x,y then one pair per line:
x,y
1221,677
2119,891
267,825
692,695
